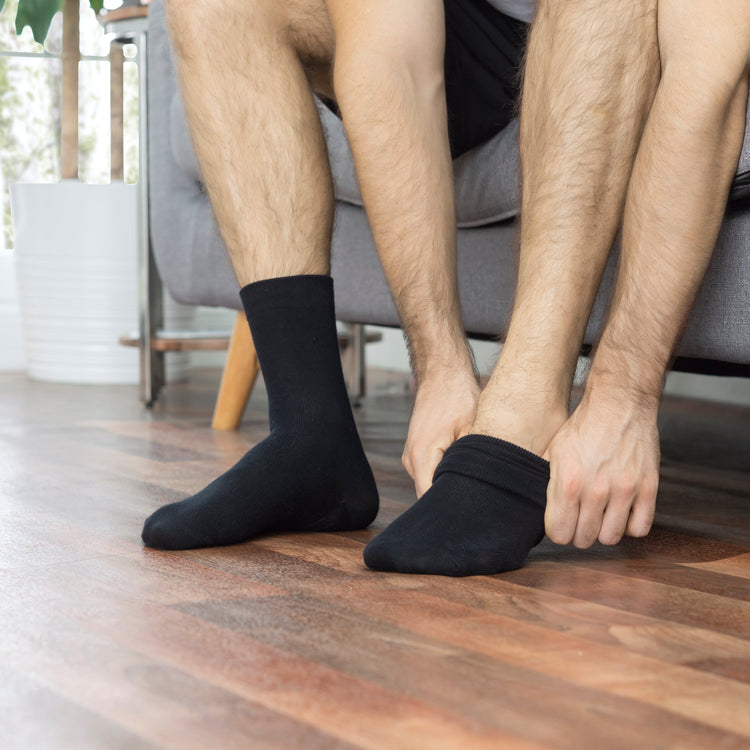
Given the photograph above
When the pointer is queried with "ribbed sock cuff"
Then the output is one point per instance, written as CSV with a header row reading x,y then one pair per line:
x,y
496,462
287,292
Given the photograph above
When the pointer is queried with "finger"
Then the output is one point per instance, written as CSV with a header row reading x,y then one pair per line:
x,y
561,515
642,513
616,516
593,504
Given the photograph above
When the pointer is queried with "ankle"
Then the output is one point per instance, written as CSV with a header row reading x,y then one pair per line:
x,y
528,422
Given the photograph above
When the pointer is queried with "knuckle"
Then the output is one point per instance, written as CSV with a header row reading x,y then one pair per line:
x,y
583,541
558,533
610,538
639,528
572,483
627,484
599,492
650,487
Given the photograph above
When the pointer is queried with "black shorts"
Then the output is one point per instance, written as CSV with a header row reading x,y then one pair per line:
x,y
483,53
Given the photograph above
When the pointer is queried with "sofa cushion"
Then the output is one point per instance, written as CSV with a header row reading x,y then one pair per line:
x,y
487,185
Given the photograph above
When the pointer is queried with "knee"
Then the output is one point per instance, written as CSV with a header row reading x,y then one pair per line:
x,y
592,16
704,90
191,21
406,51
302,25
705,66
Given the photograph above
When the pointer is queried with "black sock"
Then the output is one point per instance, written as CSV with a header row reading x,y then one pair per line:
x,y
310,473
482,515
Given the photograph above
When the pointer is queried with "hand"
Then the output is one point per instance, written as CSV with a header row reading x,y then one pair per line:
x,y
604,472
444,411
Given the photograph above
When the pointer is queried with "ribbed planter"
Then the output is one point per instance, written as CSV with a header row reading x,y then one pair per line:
x,y
11,341
76,264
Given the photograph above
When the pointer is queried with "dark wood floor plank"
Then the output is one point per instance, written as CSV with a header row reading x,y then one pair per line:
x,y
36,717
683,689
146,697
97,639
671,603
463,658
738,565
164,579
650,636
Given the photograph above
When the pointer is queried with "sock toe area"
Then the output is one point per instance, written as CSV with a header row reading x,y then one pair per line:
x,y
155,532
161,530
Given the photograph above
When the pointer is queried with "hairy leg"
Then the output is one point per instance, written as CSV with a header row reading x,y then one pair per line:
x,y
245,70
389,85
605,460
591,72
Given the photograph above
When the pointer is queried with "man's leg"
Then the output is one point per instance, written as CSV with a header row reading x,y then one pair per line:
x,y
255,127
604,462
244,68
591,73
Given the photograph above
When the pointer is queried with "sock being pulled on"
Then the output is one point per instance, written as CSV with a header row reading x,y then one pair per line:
x,y
310,473
482,515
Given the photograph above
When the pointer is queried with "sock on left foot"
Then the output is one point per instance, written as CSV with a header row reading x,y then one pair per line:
x,y
482,515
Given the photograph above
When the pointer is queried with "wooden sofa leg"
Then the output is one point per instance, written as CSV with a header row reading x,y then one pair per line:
x,y
237,380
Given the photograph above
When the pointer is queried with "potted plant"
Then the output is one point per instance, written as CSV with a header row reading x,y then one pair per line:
x,y
76,245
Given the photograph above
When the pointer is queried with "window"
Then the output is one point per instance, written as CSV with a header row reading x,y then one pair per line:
x,y
30,97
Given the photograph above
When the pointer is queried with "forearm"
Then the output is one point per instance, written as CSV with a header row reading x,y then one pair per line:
x,y
674,211
394,113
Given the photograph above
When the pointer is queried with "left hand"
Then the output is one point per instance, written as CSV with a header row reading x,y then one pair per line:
x,y
604,472
444,411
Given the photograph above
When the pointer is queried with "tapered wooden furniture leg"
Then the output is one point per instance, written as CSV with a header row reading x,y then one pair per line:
x,y
238,378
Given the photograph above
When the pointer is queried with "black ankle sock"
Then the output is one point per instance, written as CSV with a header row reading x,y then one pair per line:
x,y
482,515
310,473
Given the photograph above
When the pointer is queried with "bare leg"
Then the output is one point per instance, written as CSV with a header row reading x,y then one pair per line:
x,y
389,85
604,462
591,72
259,140
244,70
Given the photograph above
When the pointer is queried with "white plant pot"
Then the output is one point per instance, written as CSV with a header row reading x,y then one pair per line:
x,y
76,260
11,340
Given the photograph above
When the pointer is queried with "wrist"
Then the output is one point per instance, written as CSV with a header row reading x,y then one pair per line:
x,y
626,381
453,363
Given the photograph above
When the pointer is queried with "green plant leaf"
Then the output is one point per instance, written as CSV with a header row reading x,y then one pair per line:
x,y
37,14
96,5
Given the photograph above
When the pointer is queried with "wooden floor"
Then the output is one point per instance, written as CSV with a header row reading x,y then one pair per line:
x,y
289,642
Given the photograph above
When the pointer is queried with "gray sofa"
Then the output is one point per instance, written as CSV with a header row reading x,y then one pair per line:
x,y
194,266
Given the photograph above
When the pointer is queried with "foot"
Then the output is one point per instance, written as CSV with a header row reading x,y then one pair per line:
x,y
485,509
288,482
482,515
